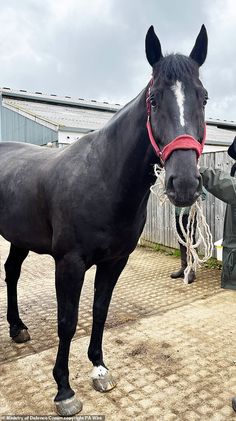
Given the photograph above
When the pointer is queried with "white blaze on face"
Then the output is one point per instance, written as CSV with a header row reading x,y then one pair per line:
x,y
179,94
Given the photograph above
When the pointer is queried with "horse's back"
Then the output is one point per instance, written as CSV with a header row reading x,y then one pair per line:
x,y
19,146
24,151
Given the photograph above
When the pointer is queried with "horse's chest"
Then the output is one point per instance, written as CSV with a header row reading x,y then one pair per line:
x,y
122,239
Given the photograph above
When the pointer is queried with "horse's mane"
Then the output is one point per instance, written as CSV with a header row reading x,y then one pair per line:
x,y
176,67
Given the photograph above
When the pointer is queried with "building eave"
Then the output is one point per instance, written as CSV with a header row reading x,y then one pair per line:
x,y
59,100
62,128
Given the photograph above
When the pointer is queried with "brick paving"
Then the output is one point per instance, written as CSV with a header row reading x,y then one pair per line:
x,y
170,346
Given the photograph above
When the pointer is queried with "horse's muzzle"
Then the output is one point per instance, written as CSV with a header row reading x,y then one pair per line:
x,y
183,193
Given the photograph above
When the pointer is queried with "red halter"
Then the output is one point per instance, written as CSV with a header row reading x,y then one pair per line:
x,y
184,141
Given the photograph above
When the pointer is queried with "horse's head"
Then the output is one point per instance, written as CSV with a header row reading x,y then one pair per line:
x,y
176,101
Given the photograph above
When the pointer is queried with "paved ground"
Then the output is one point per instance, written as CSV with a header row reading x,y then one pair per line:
x,y
171,347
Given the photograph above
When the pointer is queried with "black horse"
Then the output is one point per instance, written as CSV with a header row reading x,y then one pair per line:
x,y
86,204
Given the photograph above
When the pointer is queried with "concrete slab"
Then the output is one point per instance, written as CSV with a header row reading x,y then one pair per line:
x,y
170,346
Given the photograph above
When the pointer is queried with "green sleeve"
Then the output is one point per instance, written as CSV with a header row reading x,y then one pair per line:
x,y
203,193
220,184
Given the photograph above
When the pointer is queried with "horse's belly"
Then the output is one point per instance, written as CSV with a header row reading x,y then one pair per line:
x,y
41,245
23,225
26,237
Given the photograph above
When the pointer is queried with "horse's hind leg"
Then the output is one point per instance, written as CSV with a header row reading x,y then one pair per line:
x,y
106,277
18,330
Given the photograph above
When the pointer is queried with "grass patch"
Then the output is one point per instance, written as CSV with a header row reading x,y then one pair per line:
x,y
168,251
212,263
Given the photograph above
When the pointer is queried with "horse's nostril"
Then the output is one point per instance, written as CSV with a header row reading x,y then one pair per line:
x,y
199,184
170,184
172,196
199,188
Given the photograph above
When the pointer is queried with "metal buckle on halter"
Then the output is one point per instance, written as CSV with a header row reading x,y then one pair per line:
x,y
161,159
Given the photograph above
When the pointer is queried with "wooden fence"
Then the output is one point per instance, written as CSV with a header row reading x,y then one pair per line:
x,y
159,225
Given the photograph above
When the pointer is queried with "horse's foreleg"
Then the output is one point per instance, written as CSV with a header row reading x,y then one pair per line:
x,y
18,330
106,277
70,272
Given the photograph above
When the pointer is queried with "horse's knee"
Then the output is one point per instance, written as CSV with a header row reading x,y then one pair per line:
x,y
100,310
66,328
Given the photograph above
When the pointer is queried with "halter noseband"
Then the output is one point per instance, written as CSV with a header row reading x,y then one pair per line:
x,y
184,141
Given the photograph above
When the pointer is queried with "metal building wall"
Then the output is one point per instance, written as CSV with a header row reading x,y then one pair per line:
x,y
15,127
159,224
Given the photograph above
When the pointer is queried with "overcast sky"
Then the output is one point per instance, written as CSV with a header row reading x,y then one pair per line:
x,y
94,49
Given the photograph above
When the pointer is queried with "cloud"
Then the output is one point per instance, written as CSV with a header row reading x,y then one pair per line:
x,y
95,49
221,62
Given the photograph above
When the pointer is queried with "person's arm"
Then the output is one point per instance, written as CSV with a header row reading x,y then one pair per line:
x,y
203,193
220,184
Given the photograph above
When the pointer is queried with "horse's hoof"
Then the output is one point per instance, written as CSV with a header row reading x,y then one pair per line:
x,y
104,383
68,407
234,403
23,336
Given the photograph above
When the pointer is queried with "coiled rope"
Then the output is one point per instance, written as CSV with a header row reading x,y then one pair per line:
x,y
196,222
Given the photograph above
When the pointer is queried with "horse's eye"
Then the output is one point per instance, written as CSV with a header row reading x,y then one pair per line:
x,y
205,99
153,102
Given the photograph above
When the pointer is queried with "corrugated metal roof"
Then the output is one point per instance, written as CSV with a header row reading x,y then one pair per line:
x,y
219,136
214,148
63,116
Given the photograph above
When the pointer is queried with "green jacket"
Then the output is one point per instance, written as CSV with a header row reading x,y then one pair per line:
x,y
223,186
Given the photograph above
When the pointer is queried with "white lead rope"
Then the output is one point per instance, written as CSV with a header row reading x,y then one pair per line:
x,y
196,221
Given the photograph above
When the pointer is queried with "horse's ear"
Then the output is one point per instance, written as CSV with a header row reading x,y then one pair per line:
x,y
153,47
199,51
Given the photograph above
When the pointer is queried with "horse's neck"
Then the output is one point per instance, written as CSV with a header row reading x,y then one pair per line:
x,y
130,153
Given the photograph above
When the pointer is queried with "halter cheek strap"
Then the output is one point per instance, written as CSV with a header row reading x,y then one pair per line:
x,y
184,141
